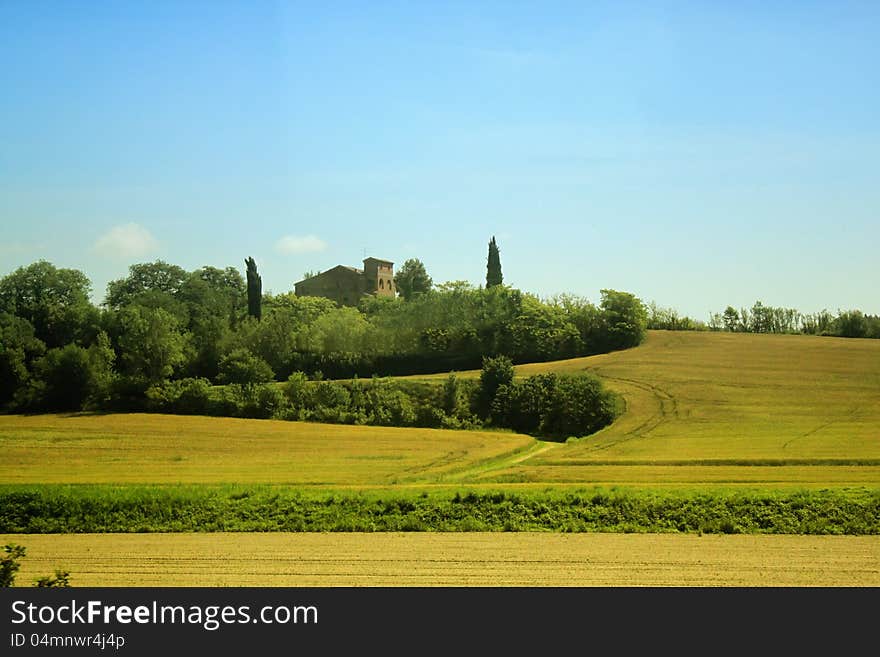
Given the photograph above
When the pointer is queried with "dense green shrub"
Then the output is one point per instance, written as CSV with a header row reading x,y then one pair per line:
x,y
522,406
298,391
70,378
387,405
577,406
330,395
194,397
555,406
243,367
191,396
262,401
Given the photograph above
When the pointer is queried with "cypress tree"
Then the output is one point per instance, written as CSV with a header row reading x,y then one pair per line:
x,y
254,289
493,266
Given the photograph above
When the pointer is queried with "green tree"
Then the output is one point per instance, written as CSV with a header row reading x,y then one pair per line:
x,y
65,378
254,290
542,332
412,279
298,392
522,406
242,367
730,317
19,347
341,331
54,301
228,283
151,344
275,340
452,396
577,406
762,318
493,265
213,300
102,359
497,371
585,317
851,324
216,292
159,278
623,320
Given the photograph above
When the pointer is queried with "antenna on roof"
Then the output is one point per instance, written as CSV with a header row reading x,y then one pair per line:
x,y
365,253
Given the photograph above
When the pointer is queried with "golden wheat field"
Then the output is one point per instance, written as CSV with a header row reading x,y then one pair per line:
x,y
451,559
152,448
726,408
748,408
703,410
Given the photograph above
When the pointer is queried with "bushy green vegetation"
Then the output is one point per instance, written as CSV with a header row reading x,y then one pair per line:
x,y
92,509
543,405
163,332
555,405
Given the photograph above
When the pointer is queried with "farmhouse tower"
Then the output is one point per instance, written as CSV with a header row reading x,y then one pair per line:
x,y
347,285
379,277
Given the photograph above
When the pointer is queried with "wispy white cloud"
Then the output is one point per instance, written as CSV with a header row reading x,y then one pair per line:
x,y
126,241
291,244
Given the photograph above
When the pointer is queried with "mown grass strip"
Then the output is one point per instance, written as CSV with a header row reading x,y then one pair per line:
x,y
111,509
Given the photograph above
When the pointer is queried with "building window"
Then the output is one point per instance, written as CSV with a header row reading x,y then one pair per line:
x,y
381,284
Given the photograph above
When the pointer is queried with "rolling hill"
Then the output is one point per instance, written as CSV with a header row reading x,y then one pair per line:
x,y
701,408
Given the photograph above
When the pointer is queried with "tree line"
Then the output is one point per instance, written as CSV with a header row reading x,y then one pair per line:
x,y
761,318
548,405
162,323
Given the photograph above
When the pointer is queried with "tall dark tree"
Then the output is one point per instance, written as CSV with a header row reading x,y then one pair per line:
x,y
412,279
254,289
493,266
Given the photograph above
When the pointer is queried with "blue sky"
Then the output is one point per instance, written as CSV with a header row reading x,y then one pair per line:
x,y
697,154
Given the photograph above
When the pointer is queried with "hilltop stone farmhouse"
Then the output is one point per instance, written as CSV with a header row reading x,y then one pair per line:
x,y
347,285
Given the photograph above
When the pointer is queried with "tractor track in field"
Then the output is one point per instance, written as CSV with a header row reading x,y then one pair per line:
x,y
853,413
667,408
493,464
